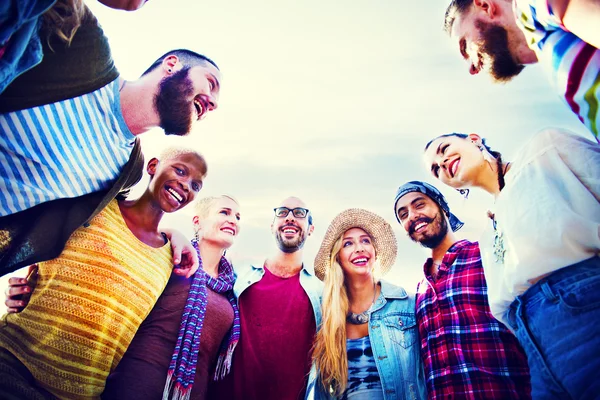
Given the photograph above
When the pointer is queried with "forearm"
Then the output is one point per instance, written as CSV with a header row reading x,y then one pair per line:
x,y
581,17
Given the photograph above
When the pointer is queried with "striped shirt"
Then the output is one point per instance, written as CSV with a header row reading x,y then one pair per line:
x,y
64,149
466,352
573,65
86,307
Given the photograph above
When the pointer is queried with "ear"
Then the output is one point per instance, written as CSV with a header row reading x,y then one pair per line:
x,y
152,166
475,138
488,7
311,229
196,222
171,64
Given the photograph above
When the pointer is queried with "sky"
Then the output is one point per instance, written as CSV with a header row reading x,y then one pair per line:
x,y
330,101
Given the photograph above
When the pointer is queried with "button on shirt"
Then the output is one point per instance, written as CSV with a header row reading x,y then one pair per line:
x,y
466,352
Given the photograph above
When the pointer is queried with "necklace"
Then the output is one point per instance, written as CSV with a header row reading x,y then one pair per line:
x,y
363,317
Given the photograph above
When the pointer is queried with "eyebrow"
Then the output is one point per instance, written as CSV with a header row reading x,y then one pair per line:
x,y
360,237
182,165
411,203
217,83
439,148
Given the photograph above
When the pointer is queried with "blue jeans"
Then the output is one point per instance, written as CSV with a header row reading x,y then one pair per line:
x,y
557,321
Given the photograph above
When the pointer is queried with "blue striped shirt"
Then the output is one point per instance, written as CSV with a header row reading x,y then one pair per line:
x,y
572,65
64,149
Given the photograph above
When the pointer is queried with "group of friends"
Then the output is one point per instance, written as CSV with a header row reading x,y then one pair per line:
x,y
115,307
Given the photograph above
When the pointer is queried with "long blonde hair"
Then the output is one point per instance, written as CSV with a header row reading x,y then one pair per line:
x,y
329,353
63,19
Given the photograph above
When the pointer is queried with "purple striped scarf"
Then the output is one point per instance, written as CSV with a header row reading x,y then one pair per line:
x,y
182,369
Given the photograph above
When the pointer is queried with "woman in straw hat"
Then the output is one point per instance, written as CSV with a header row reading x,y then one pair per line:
x,y
366,347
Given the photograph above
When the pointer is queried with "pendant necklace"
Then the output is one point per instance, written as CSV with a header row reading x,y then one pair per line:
x,y
363,317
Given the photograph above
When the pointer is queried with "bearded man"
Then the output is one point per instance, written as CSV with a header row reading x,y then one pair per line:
x,y
62,162
502,36
467,353
280,310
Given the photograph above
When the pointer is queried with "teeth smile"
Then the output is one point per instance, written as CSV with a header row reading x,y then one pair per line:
x,y
228,230
175,195
420,225
199,108
360,260
289,230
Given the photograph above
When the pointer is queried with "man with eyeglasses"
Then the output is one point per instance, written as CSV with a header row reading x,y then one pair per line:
x,y
280,310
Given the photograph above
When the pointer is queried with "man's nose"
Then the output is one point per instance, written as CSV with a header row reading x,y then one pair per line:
x,y
473,70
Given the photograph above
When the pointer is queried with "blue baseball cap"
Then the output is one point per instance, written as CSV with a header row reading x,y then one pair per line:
x,y
434,194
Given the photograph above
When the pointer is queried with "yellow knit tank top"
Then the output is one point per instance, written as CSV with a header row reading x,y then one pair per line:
x,y
87,305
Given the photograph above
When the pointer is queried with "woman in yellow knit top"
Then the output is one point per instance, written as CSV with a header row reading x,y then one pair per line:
x,y
90,301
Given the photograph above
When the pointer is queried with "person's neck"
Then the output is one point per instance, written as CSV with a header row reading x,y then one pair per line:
x,y
488,177
137,105
361,292
285,264
211,257
438,252
142,217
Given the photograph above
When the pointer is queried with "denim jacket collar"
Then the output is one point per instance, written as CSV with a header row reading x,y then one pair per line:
x,y
388,291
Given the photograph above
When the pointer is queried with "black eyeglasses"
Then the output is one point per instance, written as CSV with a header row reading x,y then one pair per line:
x,y
298,212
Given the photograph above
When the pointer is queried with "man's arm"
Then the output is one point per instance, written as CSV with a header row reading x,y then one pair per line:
x,y
582,17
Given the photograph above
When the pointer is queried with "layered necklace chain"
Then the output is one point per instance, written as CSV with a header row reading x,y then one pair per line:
x,y
363,317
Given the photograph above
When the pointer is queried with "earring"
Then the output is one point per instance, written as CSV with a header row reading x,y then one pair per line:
x,y
197,237
170,70
464,193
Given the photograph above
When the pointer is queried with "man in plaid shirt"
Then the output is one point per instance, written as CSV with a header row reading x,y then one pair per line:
x,y
466,352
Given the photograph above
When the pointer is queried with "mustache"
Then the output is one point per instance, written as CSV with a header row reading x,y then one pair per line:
x,y
411,227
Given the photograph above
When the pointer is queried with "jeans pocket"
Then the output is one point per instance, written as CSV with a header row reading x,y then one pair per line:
x,y
584,295
401,329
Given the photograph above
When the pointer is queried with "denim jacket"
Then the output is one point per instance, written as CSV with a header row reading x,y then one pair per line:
x,y
394,339
312,286
19,38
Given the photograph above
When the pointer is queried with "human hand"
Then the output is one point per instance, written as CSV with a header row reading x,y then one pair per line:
x,y
19,291
185,257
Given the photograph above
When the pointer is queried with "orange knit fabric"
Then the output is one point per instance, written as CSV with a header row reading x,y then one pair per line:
x,y
87,306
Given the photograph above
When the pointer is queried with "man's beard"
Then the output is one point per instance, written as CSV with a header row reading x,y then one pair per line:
x,y
290,245
431,241
172,104
495,48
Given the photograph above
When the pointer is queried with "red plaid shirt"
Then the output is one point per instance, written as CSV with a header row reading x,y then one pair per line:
x,y
467,353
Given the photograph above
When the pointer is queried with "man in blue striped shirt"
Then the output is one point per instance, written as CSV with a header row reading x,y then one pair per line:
x,y
503,36
78,146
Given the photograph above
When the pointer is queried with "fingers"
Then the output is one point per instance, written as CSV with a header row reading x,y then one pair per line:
x,y
176,253
13,291
190,262
16,281
14,306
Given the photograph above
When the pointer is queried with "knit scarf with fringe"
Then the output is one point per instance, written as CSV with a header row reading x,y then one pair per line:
x,y
182,370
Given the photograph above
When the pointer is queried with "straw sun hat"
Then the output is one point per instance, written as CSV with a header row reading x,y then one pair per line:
x,y
380,231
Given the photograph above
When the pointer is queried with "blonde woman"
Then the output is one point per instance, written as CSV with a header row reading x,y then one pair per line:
x,y
366,347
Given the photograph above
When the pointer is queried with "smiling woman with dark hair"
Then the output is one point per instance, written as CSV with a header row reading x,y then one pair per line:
x,y
541,262
89,302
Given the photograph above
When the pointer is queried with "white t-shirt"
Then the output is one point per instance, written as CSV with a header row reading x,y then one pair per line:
x,y
548,214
